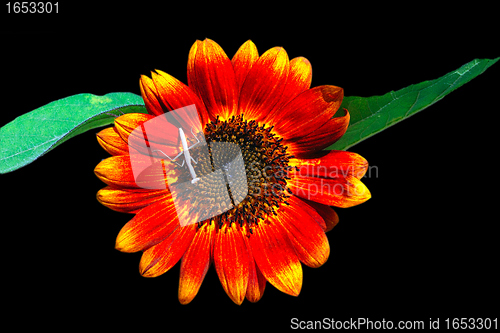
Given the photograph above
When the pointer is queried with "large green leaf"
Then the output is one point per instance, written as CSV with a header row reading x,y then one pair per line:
x,y
370,115
33,134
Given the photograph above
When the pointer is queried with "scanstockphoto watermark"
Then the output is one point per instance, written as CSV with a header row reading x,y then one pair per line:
x,y
358,323
462,323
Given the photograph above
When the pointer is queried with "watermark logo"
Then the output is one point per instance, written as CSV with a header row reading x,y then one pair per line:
x,y
204,179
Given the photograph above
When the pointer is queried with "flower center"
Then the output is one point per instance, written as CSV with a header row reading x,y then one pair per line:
x,y
254,165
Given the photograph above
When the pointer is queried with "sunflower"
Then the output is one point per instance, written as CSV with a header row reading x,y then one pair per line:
x,y
265,106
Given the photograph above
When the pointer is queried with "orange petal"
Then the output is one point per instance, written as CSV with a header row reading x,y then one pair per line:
x,y
110,140
307,112
256,283
276,258
298,80
264,84
149,226
326,212
232,261
243,61
318,139
211,77
174,94
336,163
116,171
339,192
191,60
161,257
150,96
128,122
300,74
129,200
147,135
195,263
308,238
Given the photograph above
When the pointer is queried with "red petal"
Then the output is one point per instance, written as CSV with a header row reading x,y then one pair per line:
x,y
305,205
150,96
307,112
264,84
129,200
211,77
161,257
339,192
149,226
232,261
318,139
256,283
110,140
140,129
298,81
327,213
276,258
174,94
243,60
152,137
308,238
195,263
335,164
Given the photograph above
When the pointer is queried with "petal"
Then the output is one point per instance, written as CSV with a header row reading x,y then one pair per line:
x,y
116,171
318,139
298,80
300,76
276,258
211,77
327,213
174,94
339,192
149,226
243,60
191,60
307,112
256,282
232,261
127,123
335,164
119,171
129,200
195,263
264,84
110,140
305,205
149,135
150,96
161,257
307,236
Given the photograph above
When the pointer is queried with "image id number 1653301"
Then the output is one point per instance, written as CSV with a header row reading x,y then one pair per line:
x,y
26,7
471,323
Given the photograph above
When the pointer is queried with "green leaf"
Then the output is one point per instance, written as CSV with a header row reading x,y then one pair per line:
x,y
370,115
33,134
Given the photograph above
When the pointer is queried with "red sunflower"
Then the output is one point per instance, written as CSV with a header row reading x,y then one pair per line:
x,y
265,105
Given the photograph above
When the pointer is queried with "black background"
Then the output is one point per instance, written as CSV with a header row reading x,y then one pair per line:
x,y
425,246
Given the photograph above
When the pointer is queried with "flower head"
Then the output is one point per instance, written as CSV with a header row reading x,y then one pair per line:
x,y
275,213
